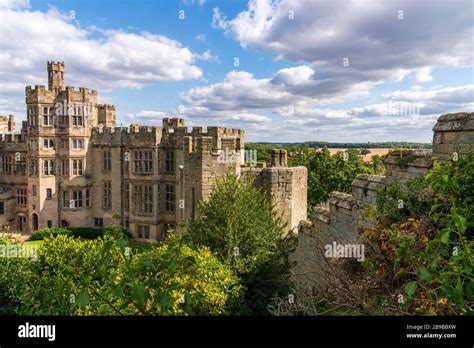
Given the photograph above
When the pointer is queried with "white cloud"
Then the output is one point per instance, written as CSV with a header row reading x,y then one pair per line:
x,y
423,74
95,58
378,46
146,117
208,56
14,4
289,86
192,2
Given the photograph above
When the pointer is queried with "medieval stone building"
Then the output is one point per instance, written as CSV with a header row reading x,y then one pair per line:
x,y
71,166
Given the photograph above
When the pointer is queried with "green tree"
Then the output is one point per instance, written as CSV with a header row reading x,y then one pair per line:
x,y
238,224
328,173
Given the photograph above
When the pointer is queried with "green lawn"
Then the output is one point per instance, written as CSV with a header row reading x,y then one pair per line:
x,y
34,242
141,246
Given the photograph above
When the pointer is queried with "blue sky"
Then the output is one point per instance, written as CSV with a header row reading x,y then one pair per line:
x,y
308,70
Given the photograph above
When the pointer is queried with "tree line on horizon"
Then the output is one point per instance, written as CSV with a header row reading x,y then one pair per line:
x,y
368,145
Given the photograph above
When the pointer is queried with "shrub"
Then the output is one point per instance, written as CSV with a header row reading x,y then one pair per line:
x,y
101,277
429,251
49,232
395,203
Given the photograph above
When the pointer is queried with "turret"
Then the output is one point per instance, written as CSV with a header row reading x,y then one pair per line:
x,y
55,76
106,115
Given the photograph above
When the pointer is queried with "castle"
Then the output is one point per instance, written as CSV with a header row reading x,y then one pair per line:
x,y
71,166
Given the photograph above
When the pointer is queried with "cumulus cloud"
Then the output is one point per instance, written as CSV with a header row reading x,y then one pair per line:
x,y
423,74
295,86
14,4
353,42
95,58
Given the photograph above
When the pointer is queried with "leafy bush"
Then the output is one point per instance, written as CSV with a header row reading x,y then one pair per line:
x,y
102,277
175,278
395,203
429,251
49,232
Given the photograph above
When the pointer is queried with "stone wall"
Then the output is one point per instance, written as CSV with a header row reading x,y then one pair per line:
x,y
335,221
453,133
342,217
403,165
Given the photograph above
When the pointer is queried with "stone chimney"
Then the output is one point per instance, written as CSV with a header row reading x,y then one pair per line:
x,y
11,123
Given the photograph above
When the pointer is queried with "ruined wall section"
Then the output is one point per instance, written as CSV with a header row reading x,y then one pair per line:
x,y
403,165
342,216
453,133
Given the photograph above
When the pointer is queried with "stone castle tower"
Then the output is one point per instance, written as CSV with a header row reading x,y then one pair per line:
x,y
71,166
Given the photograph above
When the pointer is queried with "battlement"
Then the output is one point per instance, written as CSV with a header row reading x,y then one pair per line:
x,y
36,89
197,145
106,106
365,187
223,131
173,122
84,90
403,165
107,135
11,138
52,65
7,123
81,92
132,129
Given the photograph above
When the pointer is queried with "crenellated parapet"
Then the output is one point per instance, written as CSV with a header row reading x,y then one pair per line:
x,y
365,187
38,94
133,136
106,136
173,122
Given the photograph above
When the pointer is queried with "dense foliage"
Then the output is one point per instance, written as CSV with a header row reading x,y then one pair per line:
x,y
327,173
426,241
104,277
237,223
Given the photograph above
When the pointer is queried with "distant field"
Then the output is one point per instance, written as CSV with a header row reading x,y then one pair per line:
x,y
373,152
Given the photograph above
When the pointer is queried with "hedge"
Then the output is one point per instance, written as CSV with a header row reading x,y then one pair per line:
x,y
77,232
